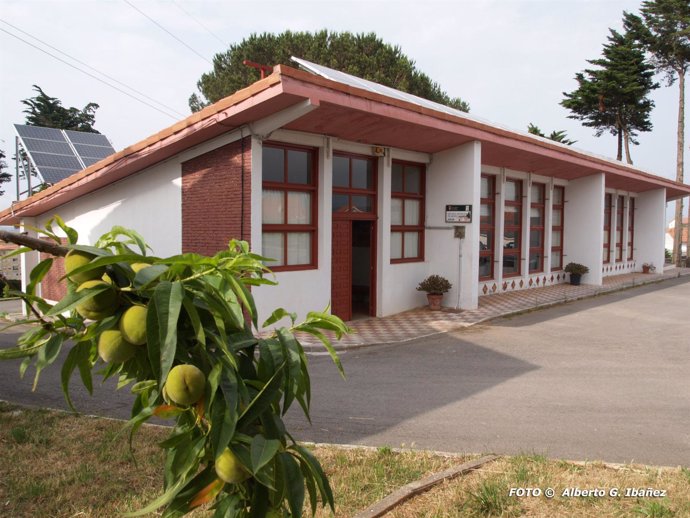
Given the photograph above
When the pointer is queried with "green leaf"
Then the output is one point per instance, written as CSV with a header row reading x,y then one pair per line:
x,y
74,298
295,484
263,400
326,343
147,275
277,315
262,451
47,355
195,319
71,362
224,414
37,274
143,386
228,507
310,462
161,326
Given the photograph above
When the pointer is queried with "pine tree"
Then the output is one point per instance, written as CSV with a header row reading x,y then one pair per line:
x,y
614,96
48,112
557,136
4,175
363,55
664,31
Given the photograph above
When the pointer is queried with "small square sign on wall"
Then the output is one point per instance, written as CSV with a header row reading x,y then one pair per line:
x,y
458,213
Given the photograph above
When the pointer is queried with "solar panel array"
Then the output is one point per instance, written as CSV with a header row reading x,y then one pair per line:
x,y
58,154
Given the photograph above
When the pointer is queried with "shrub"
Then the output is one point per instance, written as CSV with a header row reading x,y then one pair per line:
x,y
435,285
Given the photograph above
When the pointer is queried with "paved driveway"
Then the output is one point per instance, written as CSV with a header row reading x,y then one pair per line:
x,y
605,378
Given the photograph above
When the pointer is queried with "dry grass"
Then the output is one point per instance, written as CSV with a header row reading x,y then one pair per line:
x,y
55,464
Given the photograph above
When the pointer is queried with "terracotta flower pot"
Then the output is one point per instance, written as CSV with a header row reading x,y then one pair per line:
x,y
434,300
645,269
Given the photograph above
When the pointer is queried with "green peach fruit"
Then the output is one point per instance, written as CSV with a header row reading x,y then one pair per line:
x,y
229,468
185,385
101,305
112,347
76,259
133,325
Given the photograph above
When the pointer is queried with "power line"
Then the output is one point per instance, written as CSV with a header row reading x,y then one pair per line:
x,y
89,74
173,110
167,31
189,15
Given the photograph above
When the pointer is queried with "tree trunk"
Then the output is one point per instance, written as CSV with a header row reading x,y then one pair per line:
x,y
678,231
41,245
619,135
626,136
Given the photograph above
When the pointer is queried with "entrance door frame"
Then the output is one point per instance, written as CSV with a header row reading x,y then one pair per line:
x,y
351,216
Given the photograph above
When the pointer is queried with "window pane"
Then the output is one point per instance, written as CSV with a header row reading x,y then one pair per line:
x,y
272,247
486,215
511,239
412,212
272,207
341,171
557,219
299,167
273,164
396,245
536,239
556,238
484,266
362,174
512,190
606,237
556,260
413,177
510,264
486,187
340,202
535,262
536,218
537,193
557,196
512,216
411,244
396,211
486,240
299,208
362,203
299,248
397,178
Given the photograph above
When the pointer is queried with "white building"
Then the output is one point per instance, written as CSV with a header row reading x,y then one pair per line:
x,y
360,191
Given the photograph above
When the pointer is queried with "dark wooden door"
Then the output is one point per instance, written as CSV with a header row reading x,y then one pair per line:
x,y
341,269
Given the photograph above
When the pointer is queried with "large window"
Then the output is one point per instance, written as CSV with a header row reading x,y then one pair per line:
x,y
512,227
354,186
536,227
407,212
631,229
608,207
557,213
289,207
487,228
620,210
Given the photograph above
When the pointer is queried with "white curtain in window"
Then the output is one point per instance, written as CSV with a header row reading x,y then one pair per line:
x,y
272,247
299,208
411,212
396,245
299,248
396,211
411,244
272,209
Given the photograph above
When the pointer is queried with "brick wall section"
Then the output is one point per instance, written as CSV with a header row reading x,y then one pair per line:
x,y
52,288
212,201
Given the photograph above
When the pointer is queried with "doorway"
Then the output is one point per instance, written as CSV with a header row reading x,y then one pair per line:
x,y
353,273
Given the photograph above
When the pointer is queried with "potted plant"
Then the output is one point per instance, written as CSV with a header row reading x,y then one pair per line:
x,y
435,286
576,272
648,268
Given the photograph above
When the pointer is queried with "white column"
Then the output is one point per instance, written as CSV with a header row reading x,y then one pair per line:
x,y
584,225
650,226
383,232
454,178
256,194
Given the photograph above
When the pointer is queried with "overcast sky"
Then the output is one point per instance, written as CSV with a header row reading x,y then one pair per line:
x,y
510,59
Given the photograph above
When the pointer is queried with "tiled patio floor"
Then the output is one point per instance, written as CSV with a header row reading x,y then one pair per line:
x,y
421,322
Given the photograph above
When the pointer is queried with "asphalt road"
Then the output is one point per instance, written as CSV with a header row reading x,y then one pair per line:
x,y
599,379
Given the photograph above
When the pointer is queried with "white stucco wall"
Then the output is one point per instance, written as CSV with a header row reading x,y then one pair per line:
x,y
650,228
453,178
584,225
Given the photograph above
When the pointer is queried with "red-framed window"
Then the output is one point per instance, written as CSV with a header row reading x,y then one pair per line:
x,y
557,216
289,207
608,207
631,228
407,212
354,186
620,211
487,227
512,227
537,211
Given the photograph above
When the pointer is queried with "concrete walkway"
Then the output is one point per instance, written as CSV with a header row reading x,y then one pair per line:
x,y
421,322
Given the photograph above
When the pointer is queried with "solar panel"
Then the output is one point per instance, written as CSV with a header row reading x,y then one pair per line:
x,y
57,154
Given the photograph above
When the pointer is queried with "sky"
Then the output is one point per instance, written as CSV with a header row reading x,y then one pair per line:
x,y
510,59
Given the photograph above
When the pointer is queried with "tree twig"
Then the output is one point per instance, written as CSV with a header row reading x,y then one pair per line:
x,y
34,243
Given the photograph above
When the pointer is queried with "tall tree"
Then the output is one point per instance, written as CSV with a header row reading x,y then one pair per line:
x,y
363,55
44,110
614,96
557,136
664,30
4,175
